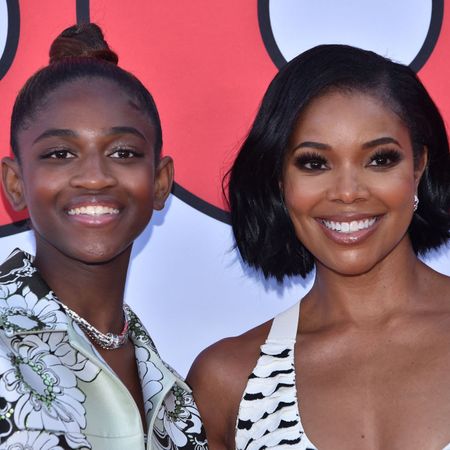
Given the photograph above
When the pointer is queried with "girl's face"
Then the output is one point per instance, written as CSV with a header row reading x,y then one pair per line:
x,y
87,172
349,181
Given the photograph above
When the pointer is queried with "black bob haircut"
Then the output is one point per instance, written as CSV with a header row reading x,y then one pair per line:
x,y
79,52
262,228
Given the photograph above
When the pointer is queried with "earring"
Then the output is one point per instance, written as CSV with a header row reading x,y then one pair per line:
x,y
416,202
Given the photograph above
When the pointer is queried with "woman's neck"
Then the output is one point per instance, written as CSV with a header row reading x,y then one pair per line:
x,y
391,287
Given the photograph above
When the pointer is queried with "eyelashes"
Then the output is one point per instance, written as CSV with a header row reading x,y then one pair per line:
x,y
316,162
311,161
386,158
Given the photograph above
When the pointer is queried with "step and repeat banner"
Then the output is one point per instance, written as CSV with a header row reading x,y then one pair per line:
x,y
208,63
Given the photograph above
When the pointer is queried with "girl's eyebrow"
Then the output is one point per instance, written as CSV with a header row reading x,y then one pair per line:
x,y
57,132
64,132
126,130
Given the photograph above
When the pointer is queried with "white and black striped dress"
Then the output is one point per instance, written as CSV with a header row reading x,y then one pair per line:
x,y
268,415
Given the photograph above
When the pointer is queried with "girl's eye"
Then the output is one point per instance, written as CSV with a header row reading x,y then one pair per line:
x,y
59,154
311,162
124,153
385,158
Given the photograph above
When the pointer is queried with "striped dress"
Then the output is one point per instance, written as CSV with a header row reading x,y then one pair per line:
x,y
268,415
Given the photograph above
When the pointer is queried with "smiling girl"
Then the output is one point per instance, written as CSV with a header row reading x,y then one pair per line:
x,y
77,368
346,170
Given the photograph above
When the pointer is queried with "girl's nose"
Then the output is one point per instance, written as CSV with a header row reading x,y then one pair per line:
x,y
93,173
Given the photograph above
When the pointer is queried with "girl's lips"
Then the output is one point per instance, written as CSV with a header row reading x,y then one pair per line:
x,y
92,210
93,214
350,231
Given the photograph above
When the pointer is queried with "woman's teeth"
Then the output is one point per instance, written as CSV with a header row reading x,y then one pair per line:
x,y
349,227
92,210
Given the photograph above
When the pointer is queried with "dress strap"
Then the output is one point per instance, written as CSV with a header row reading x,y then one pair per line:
x,y
284,325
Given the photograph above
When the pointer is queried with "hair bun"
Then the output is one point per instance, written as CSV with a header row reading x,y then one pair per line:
x,y
84,40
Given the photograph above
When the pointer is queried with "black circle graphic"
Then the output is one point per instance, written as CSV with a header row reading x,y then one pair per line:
x,y
12,38
437,16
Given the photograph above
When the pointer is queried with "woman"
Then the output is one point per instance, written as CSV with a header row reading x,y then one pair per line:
x,y
345,170
77,368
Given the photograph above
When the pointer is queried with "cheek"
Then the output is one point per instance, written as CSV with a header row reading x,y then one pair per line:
x,y
395,191
302,193
40,189
140,188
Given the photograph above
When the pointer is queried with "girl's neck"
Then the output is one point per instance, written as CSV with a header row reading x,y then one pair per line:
x,y
94,291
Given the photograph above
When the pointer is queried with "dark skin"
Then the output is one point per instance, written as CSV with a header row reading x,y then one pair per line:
x,y
90,182
372,352
90,285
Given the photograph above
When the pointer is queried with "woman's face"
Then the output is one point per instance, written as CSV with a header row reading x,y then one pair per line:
x,y
87,173
349,181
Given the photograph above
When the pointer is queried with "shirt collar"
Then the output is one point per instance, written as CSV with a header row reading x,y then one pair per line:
x,y
27,305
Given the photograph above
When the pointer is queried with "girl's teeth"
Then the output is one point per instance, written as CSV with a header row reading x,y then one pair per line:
x,y
349,227
91,210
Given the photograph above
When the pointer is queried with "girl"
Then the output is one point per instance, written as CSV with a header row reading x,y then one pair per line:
x,y
77,368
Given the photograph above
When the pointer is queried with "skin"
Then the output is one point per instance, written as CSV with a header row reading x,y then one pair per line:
x,y
373,344
89,145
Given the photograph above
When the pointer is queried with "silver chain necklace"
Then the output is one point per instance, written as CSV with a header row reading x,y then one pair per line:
x,y
108,341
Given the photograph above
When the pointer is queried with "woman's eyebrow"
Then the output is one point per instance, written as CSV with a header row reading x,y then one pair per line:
x,y
312,144
380,141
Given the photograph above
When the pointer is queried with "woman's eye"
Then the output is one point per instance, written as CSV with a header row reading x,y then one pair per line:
x,y
124,153
59,154
385,158
311,162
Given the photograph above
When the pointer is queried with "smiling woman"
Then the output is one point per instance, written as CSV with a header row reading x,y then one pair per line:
x,y
78,369
346,169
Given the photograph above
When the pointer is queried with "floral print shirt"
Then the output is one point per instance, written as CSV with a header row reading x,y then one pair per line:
x,y
57,392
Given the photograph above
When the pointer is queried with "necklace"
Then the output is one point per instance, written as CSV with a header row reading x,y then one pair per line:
x,y
108,341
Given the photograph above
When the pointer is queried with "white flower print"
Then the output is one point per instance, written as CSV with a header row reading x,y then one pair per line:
x,y
8,289
31,440
150,376
40,374
24,311
180,417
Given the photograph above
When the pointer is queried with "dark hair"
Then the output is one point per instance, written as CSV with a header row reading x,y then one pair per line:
x,y
79,52
262,228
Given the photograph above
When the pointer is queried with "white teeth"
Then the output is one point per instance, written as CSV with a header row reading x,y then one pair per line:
x,y
349,227
92,210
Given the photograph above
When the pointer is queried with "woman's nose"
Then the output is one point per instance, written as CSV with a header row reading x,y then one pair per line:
x,y
93,173
348,185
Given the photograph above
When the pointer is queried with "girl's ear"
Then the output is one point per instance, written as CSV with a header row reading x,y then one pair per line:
x,y
12,183
163,182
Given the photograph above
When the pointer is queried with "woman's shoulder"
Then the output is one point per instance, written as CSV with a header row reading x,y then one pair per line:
x,y
231,356
218,379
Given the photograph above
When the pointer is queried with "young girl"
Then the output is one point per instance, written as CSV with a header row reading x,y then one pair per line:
x,y
77,368
346,170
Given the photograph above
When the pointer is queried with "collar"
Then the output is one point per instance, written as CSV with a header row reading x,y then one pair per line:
x,y
28,305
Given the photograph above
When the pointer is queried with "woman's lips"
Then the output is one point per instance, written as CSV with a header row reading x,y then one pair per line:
x,y
349,230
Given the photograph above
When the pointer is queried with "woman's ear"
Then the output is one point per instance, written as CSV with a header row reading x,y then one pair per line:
x,y
420,165
163,182
12,183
